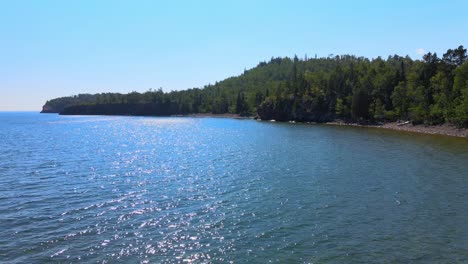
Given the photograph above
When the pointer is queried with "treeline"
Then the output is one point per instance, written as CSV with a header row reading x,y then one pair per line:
x,y
433,90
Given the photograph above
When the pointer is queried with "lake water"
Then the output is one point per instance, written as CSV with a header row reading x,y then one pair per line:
x,y
214,190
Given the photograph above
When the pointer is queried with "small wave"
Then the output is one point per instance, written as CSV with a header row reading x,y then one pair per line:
x,y
58,252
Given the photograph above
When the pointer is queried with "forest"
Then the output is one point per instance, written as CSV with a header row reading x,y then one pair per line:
x,y
431,91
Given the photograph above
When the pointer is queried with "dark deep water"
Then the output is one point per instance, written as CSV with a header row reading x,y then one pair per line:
x,y
142,189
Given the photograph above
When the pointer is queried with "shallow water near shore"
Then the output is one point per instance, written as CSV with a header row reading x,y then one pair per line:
x,y
213,190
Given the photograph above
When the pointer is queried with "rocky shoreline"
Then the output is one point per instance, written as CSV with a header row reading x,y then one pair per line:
x,y
445,129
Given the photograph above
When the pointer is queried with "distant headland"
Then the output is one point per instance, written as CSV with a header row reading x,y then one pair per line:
x,y
431,91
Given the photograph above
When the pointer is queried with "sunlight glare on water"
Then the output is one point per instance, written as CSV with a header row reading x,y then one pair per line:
x,y
177,190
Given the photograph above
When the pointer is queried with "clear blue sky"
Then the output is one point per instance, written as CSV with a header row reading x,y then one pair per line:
x,y
58,48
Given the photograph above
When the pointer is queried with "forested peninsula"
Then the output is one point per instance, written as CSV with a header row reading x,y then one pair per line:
x,y
430,91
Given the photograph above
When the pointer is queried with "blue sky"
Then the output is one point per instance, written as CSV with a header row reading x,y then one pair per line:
x,y
58,48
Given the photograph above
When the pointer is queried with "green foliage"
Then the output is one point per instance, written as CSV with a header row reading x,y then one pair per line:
x,y
460,113
401,100
360,105
242,107
379,110
460,116
340,107
432,91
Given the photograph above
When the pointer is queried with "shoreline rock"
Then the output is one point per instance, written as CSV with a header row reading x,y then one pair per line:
x,y
444,129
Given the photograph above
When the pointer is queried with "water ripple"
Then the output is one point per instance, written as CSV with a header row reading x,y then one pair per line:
x,y
188,190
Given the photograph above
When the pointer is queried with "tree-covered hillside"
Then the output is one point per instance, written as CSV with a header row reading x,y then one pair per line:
x,y
433,90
